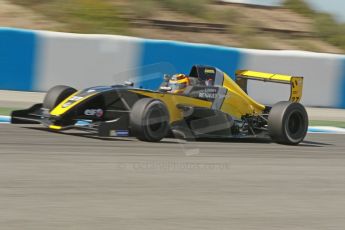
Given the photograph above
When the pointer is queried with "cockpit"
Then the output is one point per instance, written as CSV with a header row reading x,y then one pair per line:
x,y
199,76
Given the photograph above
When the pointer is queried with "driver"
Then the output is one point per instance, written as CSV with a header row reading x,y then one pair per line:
x,y
178,83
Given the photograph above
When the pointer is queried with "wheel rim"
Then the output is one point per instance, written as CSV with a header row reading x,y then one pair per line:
x,y
156,120
295,125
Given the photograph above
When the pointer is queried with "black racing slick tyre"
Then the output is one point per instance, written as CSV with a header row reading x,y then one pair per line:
x,y
288,123
149,120
56,95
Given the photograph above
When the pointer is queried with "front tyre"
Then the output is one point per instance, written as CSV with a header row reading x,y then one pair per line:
x,y
56,95
288,123
149,120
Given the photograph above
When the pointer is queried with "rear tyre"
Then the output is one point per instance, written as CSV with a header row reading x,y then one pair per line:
x,y
149,120
288,123
56,95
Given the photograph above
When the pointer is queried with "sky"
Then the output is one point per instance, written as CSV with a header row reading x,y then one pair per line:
x,y
334,7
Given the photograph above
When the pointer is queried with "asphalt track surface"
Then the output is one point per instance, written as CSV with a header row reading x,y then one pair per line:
x,y
74,181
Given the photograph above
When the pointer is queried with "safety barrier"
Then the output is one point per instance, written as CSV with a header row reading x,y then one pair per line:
x,y
37,60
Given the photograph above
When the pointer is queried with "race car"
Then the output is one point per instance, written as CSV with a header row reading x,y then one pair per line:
x,y
207,103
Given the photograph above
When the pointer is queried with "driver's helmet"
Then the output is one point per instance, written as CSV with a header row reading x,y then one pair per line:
x,y
178,83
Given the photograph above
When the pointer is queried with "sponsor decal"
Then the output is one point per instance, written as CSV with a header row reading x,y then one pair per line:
x,y
165,88
67,104
119,133
208,93
71,101
209,71
94,112
204,92
76,98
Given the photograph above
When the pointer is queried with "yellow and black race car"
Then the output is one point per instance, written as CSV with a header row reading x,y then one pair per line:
x,y
205,104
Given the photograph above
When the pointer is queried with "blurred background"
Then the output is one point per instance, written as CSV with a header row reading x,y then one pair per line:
x,y
312,25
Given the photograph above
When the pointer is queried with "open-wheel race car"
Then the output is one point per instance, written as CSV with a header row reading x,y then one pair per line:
x,y
207,103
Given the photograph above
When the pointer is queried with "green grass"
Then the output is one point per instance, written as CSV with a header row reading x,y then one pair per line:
x,y
195,7
143,8
340,124
300,7
80,16
6,111
147,8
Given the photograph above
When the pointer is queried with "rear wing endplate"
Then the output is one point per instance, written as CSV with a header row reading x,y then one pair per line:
x,y
296,83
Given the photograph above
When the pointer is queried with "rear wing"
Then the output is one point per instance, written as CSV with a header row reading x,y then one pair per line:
x,y
296,83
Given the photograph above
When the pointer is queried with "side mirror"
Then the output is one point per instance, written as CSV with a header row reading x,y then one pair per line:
x,y
167,77
129,83
165,88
